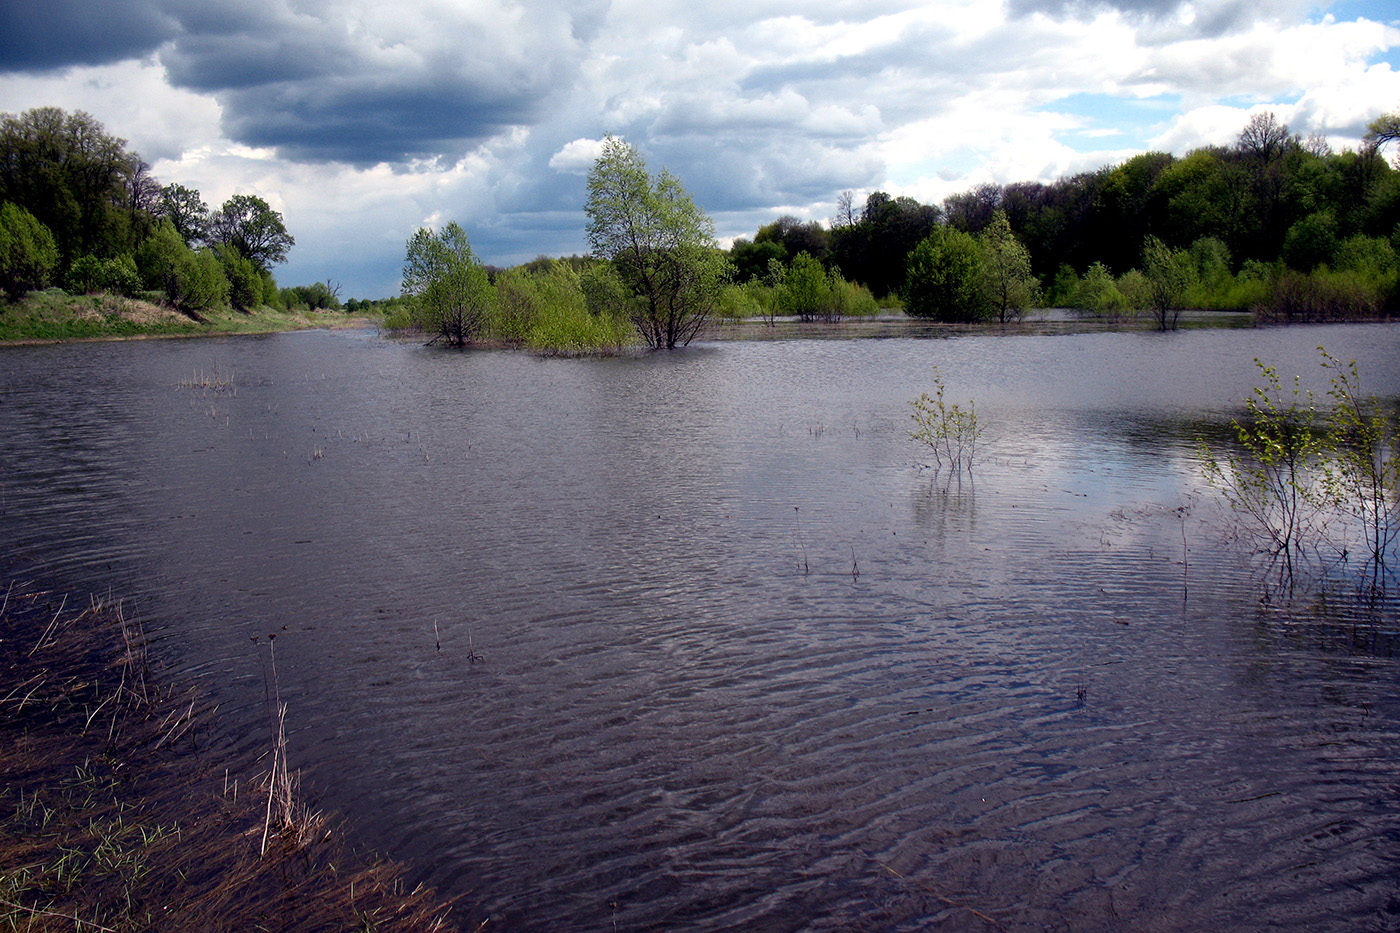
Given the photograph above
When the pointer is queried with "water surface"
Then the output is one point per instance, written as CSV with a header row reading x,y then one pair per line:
x,y
745,663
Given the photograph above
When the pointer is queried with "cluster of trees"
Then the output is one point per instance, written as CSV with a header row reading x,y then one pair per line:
x,y
1273,222
655,272
565,305
80,210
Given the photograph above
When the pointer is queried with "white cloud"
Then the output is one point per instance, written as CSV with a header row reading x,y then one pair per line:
x,y
577,157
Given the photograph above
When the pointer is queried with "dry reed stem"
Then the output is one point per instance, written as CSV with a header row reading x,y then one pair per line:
x,y
117,830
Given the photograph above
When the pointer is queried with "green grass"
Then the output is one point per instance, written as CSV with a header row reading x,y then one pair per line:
x,y
54,315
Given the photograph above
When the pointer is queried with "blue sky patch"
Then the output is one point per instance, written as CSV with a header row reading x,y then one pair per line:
x,y
1112,121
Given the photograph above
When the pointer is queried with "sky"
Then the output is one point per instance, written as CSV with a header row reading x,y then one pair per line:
x,y
363,120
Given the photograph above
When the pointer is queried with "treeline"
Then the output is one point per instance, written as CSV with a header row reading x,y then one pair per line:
x,y
1273,223
81,211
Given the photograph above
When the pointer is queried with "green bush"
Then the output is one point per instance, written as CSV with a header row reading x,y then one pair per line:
x,y
90,275
245,284
1097,292
1324,295
84,276
809,292
944,273
28,252
200,282
858,300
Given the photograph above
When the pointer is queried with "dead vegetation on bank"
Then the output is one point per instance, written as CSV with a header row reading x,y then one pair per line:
x,y
117,813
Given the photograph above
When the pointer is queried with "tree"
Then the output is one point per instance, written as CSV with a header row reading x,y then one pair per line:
x,y
796,237
244,278
28,254
1383,129
73,176
1008,287
751,259
944,273
660,243
1264,138
876,249
448,286
184,208
246,223
1168,273
810,292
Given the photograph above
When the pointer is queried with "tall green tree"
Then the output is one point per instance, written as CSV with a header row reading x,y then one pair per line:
x,y
73,176
248,224
1169,273
661,244
945,272
28,254
1008,286
447,285
184,208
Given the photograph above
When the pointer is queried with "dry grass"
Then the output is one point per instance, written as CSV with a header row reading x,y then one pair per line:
x,y
115,814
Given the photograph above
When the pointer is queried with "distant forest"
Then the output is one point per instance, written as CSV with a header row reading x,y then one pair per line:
x,y
1269,204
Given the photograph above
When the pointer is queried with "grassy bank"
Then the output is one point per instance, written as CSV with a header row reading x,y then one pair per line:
x,y
117,812
54,315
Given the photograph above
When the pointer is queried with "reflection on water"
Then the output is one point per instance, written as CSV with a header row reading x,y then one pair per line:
x,y
1045,698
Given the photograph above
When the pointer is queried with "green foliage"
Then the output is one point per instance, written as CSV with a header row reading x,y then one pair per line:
x,y
186,210
950,432
1311,242
750,300
1168,274
605,294
1098,292
810,293
751,259
90,275
1362,475
1007,285
544,308
200,283
1308,480
1272,482
247,223
451,292
74,177
1370,256
660,243
28,254
191,280
318,296
874,249
245,284
858,300
1324,295
944,277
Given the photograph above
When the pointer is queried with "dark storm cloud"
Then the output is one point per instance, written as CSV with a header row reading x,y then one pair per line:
x,y
41,35
356,82
366,125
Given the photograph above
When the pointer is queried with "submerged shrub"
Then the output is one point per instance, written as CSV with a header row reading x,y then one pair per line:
x,y
1298,298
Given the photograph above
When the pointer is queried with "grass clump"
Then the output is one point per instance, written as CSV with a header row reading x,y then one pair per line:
x,y
116,815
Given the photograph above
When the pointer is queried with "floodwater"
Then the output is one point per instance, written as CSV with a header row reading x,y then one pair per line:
x,y
691,640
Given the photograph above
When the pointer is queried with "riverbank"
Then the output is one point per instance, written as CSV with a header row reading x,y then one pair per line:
x,y
54,316
119,811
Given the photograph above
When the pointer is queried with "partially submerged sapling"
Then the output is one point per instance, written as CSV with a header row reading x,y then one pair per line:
x,y
951,432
